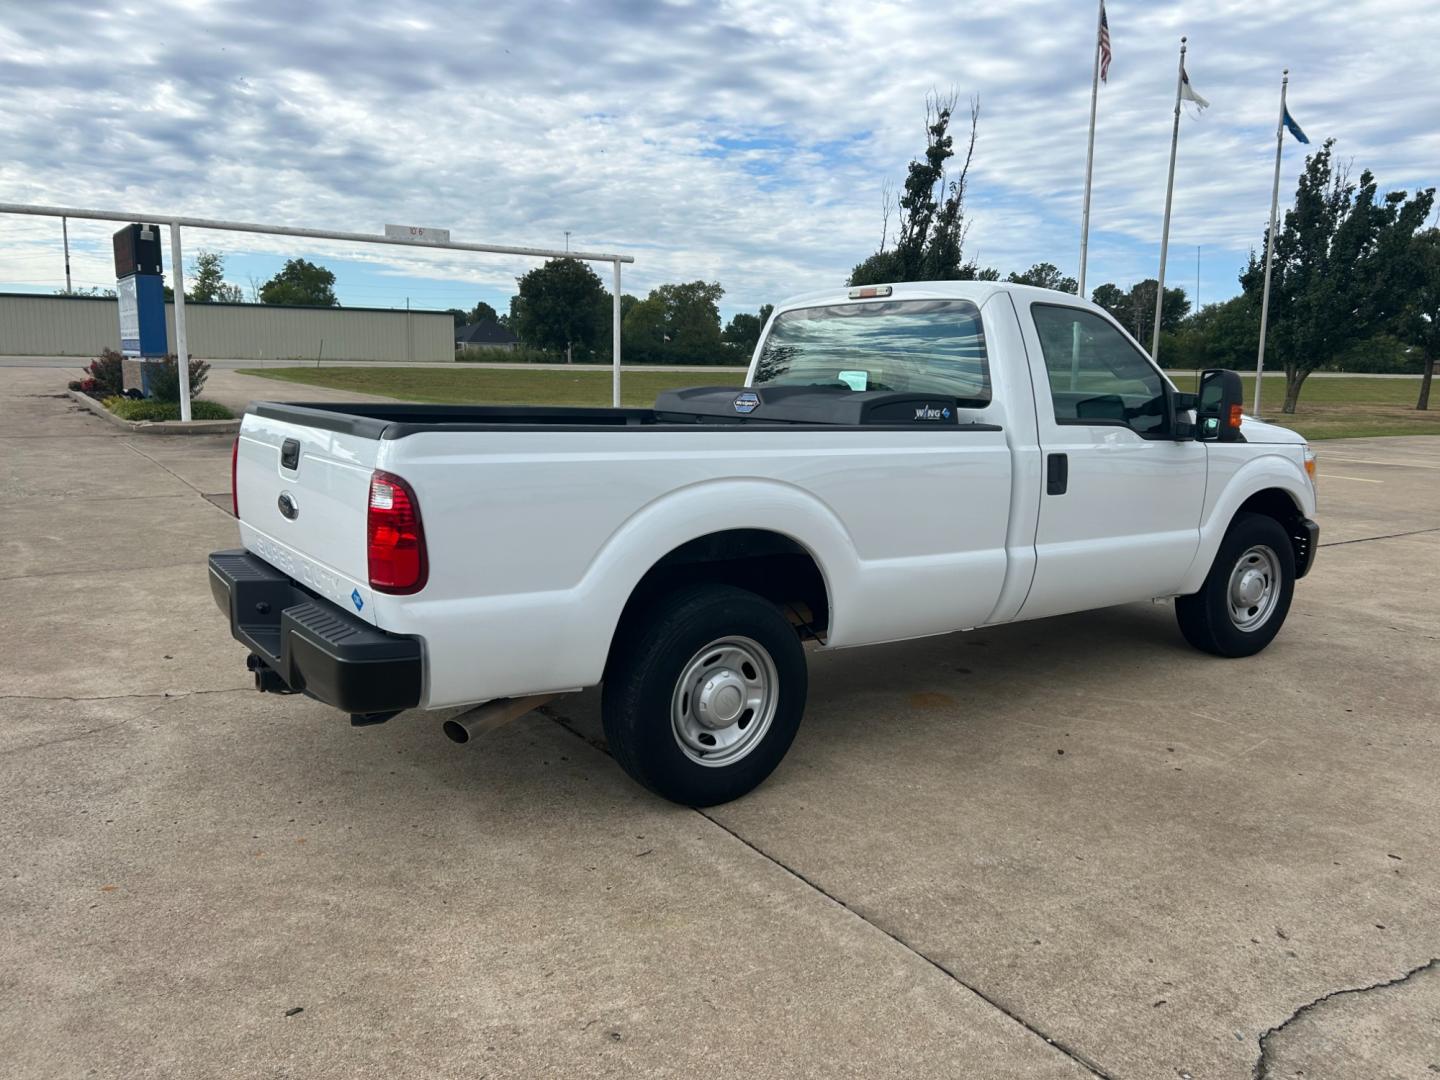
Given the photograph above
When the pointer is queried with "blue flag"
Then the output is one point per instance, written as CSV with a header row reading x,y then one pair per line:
x,y
1293,127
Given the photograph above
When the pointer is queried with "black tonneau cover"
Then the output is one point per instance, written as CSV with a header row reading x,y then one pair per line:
x,y
792,407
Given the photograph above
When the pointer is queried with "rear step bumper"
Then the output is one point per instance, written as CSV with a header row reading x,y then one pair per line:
x,y
308,644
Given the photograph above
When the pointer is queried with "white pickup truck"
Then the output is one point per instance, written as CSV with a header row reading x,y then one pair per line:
x,y
902,461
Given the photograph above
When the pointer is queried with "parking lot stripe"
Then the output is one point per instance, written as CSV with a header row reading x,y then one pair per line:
x,y
1371,461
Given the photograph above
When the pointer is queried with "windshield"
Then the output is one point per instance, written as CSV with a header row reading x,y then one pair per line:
x,y
918,346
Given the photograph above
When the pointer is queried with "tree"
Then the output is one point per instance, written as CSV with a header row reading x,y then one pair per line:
x,y
300,284
743,332
1333,281
1418,325
1110,297
1217,336
208,284
1135,309
1046,276
82,290
677,324
482,313
460,315
930,238
557,307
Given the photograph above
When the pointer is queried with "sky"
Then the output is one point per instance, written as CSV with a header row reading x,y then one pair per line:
x,y
742,142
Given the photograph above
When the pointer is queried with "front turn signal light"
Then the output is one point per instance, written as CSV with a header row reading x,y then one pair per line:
x,y
1310,464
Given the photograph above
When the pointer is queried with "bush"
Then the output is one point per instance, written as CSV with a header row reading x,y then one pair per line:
x,y
106,375
153,409
521,354
165,379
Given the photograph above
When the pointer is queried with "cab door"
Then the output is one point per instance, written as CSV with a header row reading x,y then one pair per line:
x,y
1120,499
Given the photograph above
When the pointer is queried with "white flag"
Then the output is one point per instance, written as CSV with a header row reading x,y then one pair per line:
x,y
1187,92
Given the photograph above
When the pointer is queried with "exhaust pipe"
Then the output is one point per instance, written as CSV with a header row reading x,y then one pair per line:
x,y
473,723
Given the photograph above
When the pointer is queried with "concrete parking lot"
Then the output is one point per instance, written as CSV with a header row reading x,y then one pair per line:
x,y
1067,848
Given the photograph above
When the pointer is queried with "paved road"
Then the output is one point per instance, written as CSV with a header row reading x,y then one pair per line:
x,y
1061,849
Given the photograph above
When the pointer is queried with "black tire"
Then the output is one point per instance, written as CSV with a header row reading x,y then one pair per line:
x,y
640,697
1207,619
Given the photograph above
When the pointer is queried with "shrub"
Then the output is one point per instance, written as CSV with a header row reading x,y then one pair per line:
x,y
153,409
522,354
165,379
106,375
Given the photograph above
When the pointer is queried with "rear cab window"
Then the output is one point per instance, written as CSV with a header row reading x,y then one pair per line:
x,y
1096,375
916,346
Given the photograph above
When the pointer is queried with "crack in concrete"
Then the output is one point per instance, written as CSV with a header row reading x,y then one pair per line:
x,y
1262,1063
1085,1062
165,694
1387,536
161,700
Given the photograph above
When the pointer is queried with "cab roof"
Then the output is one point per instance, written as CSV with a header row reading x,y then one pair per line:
x,y
977,292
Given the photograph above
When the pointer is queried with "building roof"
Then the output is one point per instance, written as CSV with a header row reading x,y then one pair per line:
x,y
485,333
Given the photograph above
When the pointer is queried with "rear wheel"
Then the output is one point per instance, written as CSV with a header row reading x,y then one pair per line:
x,y
1246,595
701,705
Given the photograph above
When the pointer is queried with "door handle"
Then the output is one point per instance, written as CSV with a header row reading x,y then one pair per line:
x,y
1057,474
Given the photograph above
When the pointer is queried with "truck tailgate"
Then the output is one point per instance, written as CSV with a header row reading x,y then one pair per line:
x,y
303,493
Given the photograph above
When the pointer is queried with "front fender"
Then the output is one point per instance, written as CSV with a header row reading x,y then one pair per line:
x,y
1235,475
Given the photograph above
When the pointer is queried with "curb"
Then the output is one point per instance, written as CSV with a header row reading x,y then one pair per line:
x,y
157,427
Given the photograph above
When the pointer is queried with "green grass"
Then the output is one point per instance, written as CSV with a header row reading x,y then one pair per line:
x,y
491,386
149,409
1351,407
1341,408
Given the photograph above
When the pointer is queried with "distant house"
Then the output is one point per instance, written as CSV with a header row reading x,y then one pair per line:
x,y
486,335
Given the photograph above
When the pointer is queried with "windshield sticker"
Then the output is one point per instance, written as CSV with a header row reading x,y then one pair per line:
x,y
747,403
856,380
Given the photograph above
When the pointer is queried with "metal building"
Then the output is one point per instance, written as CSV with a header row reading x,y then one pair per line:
x,y
33,324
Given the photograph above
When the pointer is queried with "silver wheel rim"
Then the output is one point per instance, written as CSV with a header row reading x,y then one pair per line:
x,y
1254,588
724,701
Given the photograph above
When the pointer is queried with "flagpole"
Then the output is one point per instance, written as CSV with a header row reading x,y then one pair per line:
x,y
1090,154
1270,241
1169,194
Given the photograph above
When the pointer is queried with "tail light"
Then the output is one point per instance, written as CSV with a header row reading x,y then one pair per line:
x,y
395,539
234,487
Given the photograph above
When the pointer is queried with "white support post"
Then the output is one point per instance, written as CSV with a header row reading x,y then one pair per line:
x,y
1169,195
182,351
1090,156
1270,241
615,339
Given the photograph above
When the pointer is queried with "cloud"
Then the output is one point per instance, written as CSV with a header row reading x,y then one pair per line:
x,y
741,141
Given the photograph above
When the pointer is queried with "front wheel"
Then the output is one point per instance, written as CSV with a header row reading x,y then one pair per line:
x,y
1246,595
704,702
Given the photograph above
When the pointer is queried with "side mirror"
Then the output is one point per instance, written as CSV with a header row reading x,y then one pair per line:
x,y
1222,397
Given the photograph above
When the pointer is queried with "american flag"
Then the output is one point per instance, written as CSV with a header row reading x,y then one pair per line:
x,y
1104,44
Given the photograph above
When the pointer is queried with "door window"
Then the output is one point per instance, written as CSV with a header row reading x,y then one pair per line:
x,y
1096,375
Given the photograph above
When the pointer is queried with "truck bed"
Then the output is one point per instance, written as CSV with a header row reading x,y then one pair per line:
x,y
541,521
708,405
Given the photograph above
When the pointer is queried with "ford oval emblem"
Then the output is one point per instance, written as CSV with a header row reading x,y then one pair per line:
x,y
747,402
289,508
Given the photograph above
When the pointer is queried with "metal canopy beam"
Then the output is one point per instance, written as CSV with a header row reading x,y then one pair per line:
x,y
314,234
176,223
